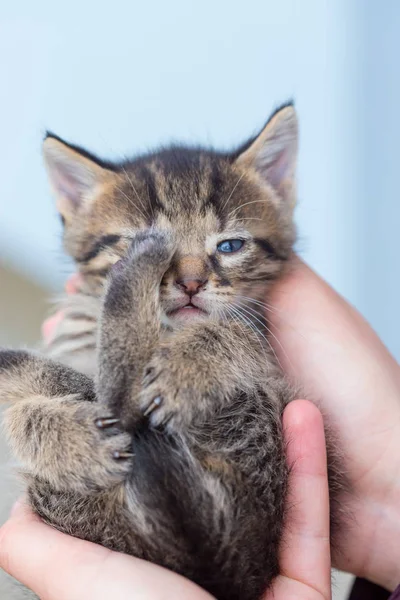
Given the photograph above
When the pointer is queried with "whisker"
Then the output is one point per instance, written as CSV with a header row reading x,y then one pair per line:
x,y
250,219
263,305
246,204
279,314
235,319
253,327
253,316
232,192
137,195
269,308
130,200
250,310
240,320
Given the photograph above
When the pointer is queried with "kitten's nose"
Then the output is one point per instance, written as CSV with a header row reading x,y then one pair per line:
x,y
190,286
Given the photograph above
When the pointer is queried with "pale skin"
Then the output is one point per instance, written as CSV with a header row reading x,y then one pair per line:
x,y
331,350
343,365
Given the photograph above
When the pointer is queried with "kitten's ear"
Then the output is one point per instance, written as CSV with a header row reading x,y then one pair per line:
x,y
75,177
273,154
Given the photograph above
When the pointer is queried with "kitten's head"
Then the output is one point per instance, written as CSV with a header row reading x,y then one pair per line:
x,y
230,214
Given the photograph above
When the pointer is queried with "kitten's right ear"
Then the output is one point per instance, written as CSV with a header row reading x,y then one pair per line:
x,y
75,177
273,153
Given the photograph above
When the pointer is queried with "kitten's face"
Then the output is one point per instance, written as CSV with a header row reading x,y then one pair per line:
x,y
225,255
230,216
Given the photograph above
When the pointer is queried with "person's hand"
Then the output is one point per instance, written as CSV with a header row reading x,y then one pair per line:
x,y
72,286
305,559
59,567
56,566
327,346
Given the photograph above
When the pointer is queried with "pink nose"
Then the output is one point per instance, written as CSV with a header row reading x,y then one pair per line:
x,y
191,286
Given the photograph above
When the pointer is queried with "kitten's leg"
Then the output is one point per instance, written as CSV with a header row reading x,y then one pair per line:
x,y
202,367
197,368
130,323
101,517
51,425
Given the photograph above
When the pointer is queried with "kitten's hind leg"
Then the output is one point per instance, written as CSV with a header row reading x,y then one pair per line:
x,y
56,428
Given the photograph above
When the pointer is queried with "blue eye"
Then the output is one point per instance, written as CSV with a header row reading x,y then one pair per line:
x,y
229,246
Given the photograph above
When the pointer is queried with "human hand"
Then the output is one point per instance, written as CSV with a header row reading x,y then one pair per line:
x,y
72,286
305,559
56,566
59,567
324,344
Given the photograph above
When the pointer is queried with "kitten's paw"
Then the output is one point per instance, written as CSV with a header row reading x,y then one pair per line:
x,y
105,449
152,246
163,400
120,450
69,443
156,244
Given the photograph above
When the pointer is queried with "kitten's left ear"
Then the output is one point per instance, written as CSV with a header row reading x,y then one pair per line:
x,y
76,177
273,154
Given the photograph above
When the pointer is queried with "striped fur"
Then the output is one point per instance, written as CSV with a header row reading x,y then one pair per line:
x,y
186,468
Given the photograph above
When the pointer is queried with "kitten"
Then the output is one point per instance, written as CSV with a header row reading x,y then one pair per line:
x,y
164,440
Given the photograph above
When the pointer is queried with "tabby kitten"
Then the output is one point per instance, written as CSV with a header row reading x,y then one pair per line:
x,y
153,427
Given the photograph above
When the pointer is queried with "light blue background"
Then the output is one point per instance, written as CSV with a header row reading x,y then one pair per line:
x,y
123,76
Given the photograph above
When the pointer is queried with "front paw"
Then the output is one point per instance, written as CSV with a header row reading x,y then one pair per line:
x,y
166,400
150,246
156,244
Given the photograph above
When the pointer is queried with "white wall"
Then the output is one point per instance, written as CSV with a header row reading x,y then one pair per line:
x,y
379,203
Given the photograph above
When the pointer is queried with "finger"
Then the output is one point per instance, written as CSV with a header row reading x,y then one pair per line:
x,y
305,553
59,567
50,325
285,588
73,283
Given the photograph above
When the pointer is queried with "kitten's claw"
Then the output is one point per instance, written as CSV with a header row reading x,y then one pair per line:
x,y
118,455
156,403
106,422
150,376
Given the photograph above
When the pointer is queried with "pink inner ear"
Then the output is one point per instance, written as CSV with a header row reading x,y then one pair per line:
x,y
68,187
277,170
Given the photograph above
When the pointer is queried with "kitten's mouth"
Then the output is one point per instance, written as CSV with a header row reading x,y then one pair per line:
x,y
188,311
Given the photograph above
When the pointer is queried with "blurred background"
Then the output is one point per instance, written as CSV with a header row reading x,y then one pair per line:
x,y
122,77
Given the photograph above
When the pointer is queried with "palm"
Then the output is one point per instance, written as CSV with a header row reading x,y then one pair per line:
x,y
327,346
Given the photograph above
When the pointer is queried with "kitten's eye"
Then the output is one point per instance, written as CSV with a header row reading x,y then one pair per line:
x,y
229,246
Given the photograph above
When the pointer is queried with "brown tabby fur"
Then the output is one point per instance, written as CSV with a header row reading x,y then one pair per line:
x,y
197,484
